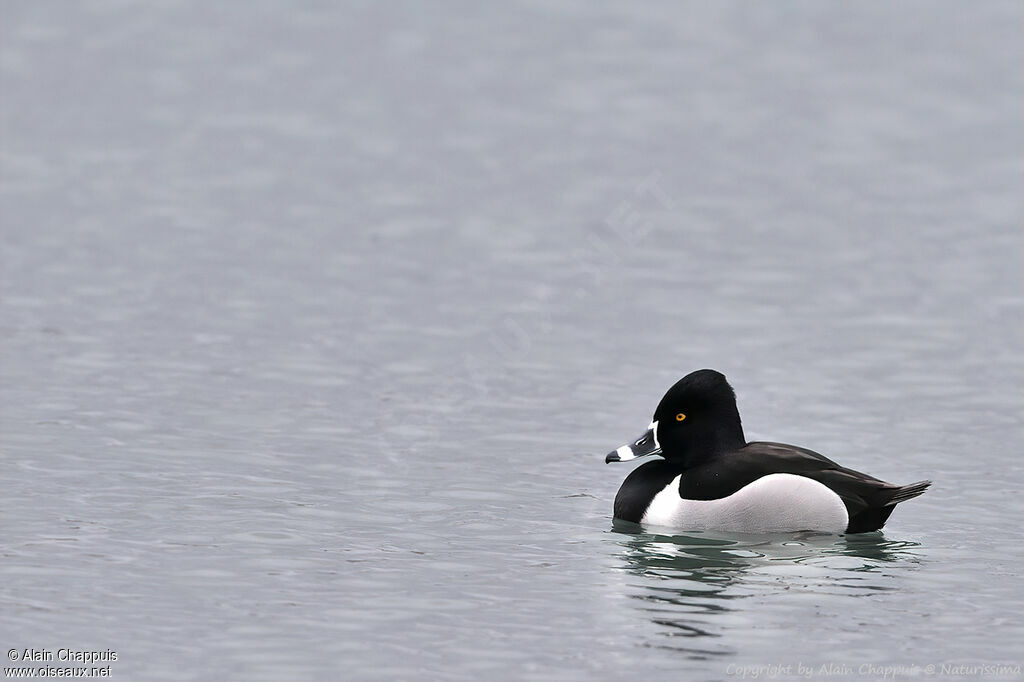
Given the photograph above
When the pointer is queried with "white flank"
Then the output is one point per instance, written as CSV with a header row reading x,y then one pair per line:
x,y
774,503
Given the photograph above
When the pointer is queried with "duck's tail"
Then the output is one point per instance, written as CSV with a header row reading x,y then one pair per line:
x,y
878,511
907,492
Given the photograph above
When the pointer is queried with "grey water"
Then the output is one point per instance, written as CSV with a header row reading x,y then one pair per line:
x,y
318,319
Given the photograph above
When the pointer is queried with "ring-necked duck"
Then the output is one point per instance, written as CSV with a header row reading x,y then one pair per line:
x,y
711,478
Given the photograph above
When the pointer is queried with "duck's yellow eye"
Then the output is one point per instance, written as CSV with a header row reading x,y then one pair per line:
x,y
680,417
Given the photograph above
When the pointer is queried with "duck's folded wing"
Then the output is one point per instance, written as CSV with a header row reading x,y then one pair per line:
x,y
726,475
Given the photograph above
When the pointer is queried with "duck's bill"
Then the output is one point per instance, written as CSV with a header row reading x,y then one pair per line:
x,y
644,446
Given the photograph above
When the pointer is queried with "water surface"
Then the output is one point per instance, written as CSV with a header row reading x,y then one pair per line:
x,y
317,322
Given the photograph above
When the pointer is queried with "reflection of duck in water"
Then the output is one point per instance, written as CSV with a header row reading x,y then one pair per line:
x,y
714,556
693,586
710,478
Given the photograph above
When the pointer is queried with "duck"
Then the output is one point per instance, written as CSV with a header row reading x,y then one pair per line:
x,y
709,478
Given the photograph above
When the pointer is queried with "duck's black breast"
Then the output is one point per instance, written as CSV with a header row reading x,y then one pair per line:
x,y
640,487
